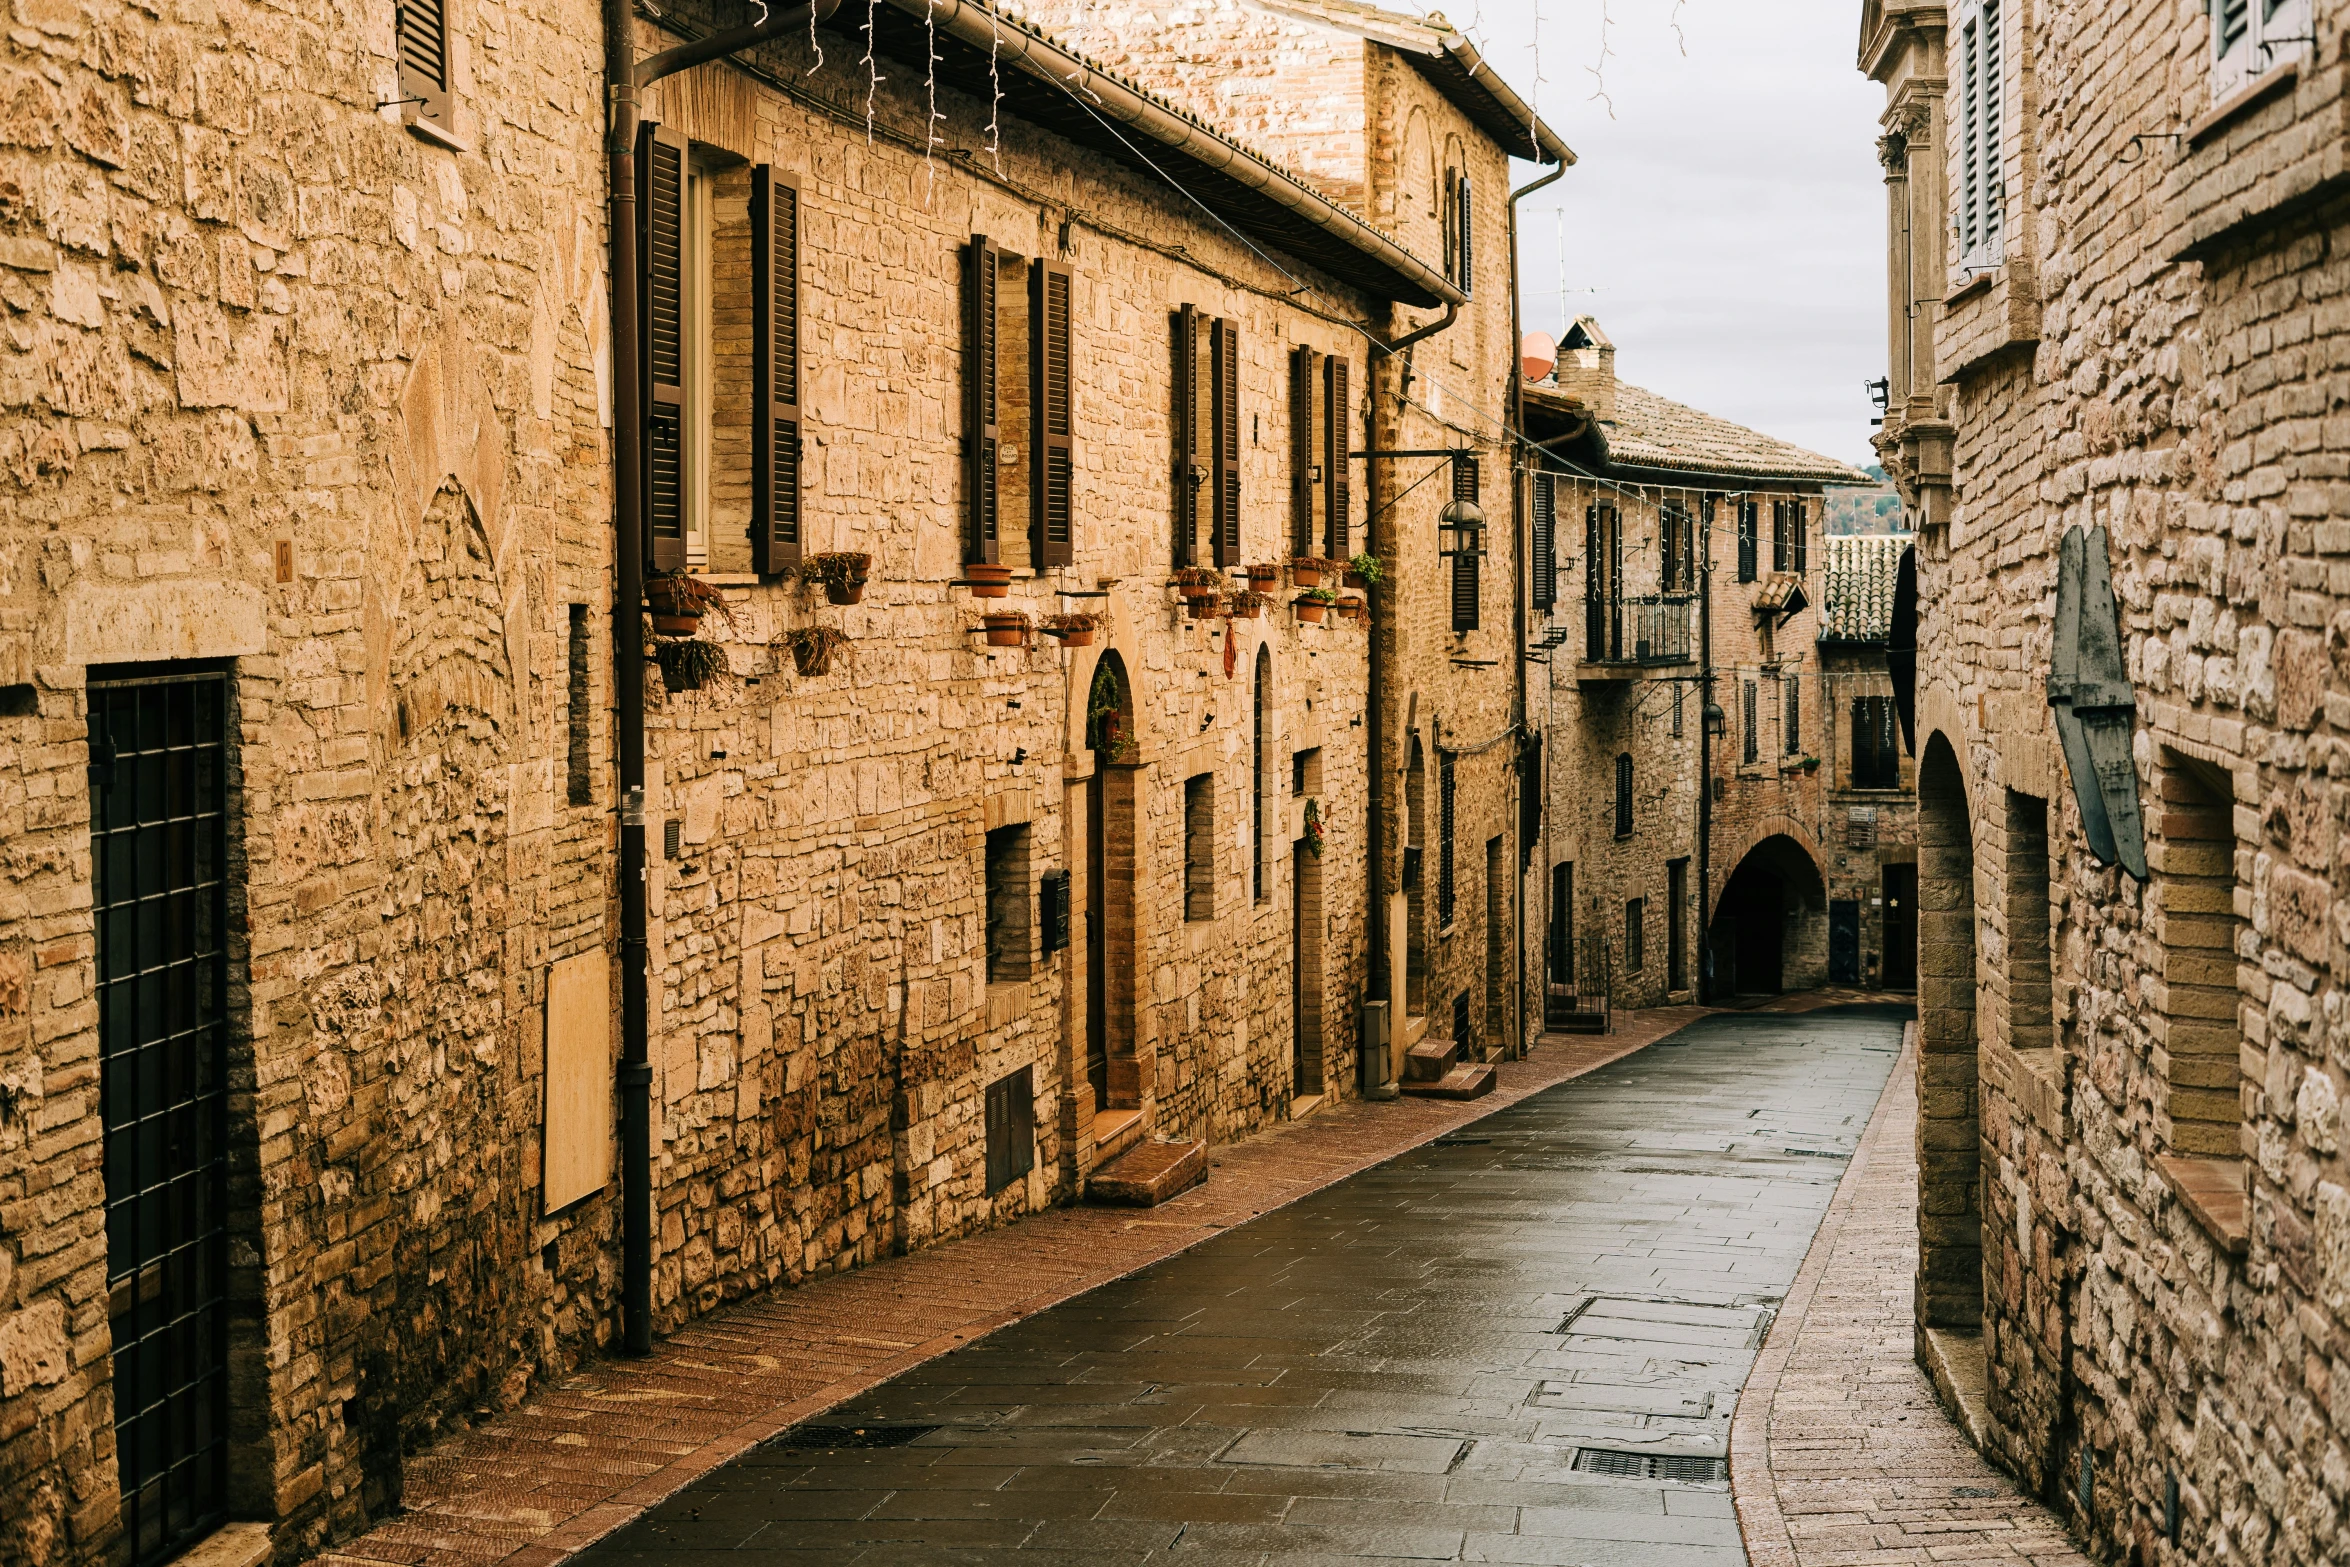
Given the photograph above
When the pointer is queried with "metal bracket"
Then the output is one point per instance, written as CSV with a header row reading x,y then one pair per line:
x,y
2096,707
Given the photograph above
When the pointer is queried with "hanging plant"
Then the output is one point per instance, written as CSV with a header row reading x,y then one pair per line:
x,y
1264,575
1247,604
841,573
1364,571
690,665
1008,628
1311,604
1074,630
1200,586
987,579
1308,570
1314,828
1354,609
812,648
1105,721
678,601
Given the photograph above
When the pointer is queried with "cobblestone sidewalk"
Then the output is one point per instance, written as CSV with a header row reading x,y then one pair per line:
x,y
587,1454
1839,1452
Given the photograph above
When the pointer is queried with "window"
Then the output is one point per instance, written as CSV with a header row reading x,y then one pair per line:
x,y
1011,1128
1011,402
1008,934
1749,519
1790,549
1207,437
1624,794
2194,917
2251,37
2030,980
1446,789
1791,715
1876,753
1199,847
1676,918
1545,585
423,26
579,763
1320,414
1678,692
1978,98
1753,752
1562,923
1677,541
1635,934
661,254
1466,583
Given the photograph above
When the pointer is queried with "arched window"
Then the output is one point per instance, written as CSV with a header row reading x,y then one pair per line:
x,y
1263,737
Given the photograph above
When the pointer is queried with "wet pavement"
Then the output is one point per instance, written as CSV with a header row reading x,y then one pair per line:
x,y
1519,1343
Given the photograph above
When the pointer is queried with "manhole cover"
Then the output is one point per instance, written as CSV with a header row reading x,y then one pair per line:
x,y
1667,1321
1689,1468
851,1436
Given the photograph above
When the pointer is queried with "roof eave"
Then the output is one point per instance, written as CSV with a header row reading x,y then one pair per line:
x,y
1481,93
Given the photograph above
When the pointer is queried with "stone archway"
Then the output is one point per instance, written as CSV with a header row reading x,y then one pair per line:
x,y
1769,929
1115,1056
1950,1229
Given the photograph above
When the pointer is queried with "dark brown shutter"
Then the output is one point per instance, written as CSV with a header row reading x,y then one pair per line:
x,y
776,531
660,198
1798,524
1305,447
1466,566
981,521
1545,540
1189,474
1227,443
1748,520
1337,474
1053,471
1465,212
424,57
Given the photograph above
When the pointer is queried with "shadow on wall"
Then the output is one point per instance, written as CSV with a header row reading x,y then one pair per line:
x,y
1770,932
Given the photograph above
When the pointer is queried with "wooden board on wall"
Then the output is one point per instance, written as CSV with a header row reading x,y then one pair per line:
x,y
578,1133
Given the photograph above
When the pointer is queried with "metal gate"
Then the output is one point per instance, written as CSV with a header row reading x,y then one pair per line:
x,y
159,842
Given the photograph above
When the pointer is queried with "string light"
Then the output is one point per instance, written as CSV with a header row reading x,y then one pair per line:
x,y
995,89
813,44
872,71
1599,71
930,136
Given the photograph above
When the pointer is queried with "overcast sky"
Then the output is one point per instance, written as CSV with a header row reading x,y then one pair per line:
x,y
1731,215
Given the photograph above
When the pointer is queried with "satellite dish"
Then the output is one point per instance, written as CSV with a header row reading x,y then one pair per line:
x,y
1538,355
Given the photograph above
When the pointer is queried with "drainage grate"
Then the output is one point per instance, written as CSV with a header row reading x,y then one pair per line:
x,y
851,1436
1690,1468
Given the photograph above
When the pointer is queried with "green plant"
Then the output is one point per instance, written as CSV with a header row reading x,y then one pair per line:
x,y
1314,829
1105,723
1367,567
812,648
1320,595
836,567
689,665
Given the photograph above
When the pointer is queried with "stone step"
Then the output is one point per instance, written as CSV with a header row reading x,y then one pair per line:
x,y
1149,1175
1430,1059
1576,1023
1415,1029
1462,1082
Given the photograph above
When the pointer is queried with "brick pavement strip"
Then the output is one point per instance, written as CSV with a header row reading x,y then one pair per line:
x,y
1839,1451
588,1454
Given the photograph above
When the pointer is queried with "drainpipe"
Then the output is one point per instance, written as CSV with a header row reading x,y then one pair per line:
x,y
625,80
1705,767
1519,712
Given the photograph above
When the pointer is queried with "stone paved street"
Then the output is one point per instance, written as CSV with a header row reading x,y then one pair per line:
x,y
1486,1350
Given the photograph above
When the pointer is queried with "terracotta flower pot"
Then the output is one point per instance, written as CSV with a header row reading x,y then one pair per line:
x,y
1247,611
1261,580
1305,576
1200,606
676,625
849,592
1354,609
1355,579
1310,610
988,580
1075,638
1006,630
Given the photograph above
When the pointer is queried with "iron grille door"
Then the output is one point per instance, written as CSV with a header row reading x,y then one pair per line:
x,y
158,855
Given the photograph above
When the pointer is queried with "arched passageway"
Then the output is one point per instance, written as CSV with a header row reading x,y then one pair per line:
x,y
1770,927
1950,1213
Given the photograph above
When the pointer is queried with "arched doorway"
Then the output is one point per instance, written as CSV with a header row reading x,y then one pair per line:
x,y
1770,927
1950,1211
1109,987
1415,961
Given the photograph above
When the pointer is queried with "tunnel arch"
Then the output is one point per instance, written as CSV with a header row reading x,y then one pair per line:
x,y
1769,930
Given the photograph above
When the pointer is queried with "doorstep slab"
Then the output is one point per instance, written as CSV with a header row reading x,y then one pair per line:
x,y
1150,1174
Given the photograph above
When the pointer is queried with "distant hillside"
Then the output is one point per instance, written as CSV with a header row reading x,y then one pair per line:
x,y
1870,509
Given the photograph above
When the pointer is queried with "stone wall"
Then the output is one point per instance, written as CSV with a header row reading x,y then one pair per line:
x,y
2159,1165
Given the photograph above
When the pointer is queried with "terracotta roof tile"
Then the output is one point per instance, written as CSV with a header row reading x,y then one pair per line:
x,y
1649,431
1857,572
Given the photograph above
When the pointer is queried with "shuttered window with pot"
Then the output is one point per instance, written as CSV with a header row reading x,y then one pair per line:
x,y
777,525
423,27
661,192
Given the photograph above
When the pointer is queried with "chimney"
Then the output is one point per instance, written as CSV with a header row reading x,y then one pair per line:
x,y
1587,368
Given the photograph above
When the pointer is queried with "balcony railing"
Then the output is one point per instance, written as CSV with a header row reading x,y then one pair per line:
x,y
1649,629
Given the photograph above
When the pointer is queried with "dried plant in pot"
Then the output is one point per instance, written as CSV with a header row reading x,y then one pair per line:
x,y
1074,630
813,648
1200,586
1312,603
1247,604
1263,575
678,600
1307,571
1354,609
841,573
690,665
987,579
1008,627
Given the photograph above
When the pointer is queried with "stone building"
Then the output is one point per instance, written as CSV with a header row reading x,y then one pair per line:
x,y
1689,569
307,812
2116,360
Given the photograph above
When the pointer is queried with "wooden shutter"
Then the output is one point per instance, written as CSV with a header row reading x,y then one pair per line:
x,y
1799,526
1225,410
776,531
1053,471
424,57
1467,576
1337,490
1545,540
1189,474
1464,214
1748,518
1305,447
980,413
1623,794
1791,715
660,205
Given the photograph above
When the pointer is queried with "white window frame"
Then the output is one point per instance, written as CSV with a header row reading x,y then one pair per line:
x,y
2274,31
1978,138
